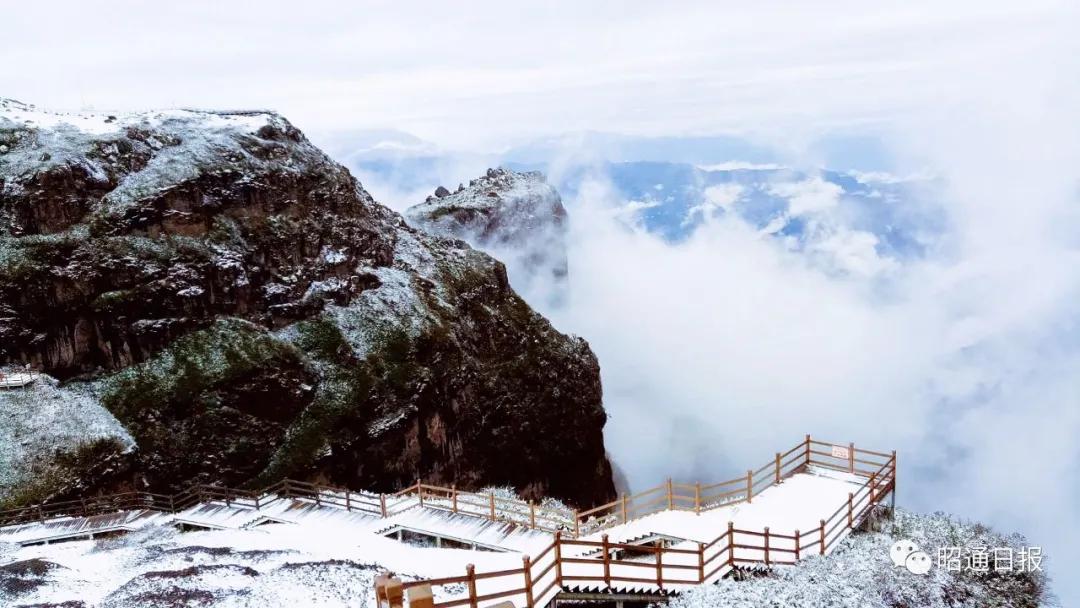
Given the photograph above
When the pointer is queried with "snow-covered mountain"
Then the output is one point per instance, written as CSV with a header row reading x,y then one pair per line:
x,y
851,217
517,217
240,305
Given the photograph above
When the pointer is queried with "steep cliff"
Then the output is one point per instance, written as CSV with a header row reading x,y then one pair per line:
x,y
517,217
246,311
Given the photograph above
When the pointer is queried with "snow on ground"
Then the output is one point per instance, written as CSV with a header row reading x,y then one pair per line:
x,y
95,142
239,566
799,503
320,564
102,123
325,564
860,574
31,116
40,418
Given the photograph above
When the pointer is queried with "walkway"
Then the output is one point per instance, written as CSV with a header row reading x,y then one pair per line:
x,y
803,502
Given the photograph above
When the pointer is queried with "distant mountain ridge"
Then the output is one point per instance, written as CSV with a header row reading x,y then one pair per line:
x,y
852,216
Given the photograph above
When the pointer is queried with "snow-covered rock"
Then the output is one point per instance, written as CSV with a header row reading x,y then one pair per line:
x,y
247,312
45,430
859,573
515,216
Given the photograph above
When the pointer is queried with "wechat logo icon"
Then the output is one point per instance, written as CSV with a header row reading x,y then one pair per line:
x,y
907,554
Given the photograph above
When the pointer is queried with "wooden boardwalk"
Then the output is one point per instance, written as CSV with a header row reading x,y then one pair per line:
x,y
659,541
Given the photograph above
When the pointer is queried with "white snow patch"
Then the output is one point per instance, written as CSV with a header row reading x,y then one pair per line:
x,y
41,418
808,196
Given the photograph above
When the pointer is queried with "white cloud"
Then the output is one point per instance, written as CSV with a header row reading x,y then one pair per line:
x,y
851,251
716,199
808,196
485,75
731,342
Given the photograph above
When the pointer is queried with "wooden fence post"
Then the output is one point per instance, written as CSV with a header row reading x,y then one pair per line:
x,y
395,593
701,563
822,536
873,486
778,467
660,565
348,505
470,574
697,498
808,450
577,529
491,498
392,592
766,545
850,511
607,560
527,567
558,558
420,492
851,457
895,471
380,589
453,496
796,545
749,485
532,514
624,515
670,495
421,597
382,504
731,543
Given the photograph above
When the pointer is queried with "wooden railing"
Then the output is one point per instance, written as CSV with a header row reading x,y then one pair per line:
x,y
551,570
698,497
197,494
488,506
575,562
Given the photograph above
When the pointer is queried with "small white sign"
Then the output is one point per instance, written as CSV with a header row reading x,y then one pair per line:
x,y
839,451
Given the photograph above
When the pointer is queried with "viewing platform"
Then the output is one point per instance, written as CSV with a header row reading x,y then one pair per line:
x,y
657,542
17,379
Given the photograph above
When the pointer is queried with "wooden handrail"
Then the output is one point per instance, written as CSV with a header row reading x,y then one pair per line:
x,y
856,506
536,569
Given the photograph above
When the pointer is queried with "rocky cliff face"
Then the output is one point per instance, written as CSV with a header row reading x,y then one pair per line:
x,y
517,217
246,311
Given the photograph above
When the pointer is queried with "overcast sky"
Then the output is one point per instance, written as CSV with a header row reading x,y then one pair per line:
x,y
481,74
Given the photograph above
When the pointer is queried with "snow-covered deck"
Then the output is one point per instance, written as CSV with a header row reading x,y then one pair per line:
x,y
18,379
217,515
656,542
799,502
77,528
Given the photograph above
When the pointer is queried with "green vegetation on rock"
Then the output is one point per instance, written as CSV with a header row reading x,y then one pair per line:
x,y
191,368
